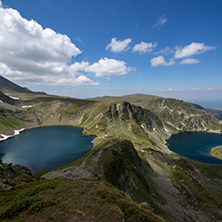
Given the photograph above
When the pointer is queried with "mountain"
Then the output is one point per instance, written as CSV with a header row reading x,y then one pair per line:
x,y
133,98
129,154
6,84
216,113
178,115
6,99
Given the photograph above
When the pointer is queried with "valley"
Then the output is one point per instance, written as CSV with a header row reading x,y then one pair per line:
x,y
129,155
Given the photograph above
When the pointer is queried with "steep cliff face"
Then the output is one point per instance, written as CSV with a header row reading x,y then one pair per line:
x,y
119,163
126,111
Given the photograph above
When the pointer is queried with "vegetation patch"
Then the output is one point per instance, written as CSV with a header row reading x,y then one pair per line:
x,y
217,152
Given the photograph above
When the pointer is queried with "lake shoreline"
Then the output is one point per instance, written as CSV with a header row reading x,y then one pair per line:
x,y
216,152
16,132
59,145
196,145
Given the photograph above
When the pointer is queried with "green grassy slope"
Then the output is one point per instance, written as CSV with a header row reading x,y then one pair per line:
x,y
217,152
133,98
66,200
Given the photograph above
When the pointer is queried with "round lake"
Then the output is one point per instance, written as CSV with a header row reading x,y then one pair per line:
x,y
196,145
46,148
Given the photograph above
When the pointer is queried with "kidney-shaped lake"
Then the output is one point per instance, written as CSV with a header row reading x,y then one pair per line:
x,y
196,145
46,148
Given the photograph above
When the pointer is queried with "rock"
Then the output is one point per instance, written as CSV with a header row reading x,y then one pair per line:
x,y
5,186
147,205
14,175
73,173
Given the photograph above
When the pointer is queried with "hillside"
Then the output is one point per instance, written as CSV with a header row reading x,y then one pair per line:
x,y
6,84
129,152
178,115
59,200
133,98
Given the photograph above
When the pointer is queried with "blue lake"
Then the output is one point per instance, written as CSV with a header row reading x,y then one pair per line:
x,y
46,148
196,145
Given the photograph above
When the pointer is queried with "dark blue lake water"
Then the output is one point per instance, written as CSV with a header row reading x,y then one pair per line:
x,y
46,148
196,145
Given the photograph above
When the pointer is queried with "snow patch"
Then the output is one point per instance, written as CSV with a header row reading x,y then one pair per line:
x,y
15,98
26,106
16,132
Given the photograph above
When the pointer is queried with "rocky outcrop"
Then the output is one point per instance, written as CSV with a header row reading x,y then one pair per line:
x,y
72,173
12,176
126,111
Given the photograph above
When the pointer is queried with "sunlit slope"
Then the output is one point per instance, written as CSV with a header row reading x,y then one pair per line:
x,y
178,115
133,98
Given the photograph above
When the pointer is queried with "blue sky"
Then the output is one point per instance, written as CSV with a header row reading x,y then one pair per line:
x,y
87,48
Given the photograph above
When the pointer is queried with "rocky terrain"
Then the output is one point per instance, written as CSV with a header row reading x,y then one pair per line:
x,y
12,176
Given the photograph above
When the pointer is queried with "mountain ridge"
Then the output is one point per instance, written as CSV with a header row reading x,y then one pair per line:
x,y
6,84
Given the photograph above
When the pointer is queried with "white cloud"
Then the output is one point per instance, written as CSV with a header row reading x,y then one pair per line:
x,y
161,21
78,66
160,61
0,4
165,51
171,62
118,45
108,67
80,80
144,47
30,54
189,61
193,49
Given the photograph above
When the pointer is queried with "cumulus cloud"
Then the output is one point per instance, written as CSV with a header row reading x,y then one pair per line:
x,y
0,4
161,21
118,45
144,47
30,54
160,61
76,81
108,67
189,61
193,49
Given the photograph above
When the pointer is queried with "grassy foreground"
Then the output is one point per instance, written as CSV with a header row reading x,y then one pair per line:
x,y
217,152
67,200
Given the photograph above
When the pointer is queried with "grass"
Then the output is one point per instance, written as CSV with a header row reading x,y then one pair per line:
x,y
217,152
62,200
